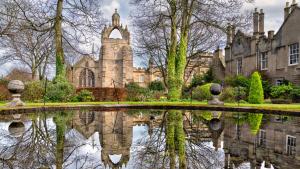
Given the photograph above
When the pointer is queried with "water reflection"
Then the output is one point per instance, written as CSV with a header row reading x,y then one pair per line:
x,y
136,139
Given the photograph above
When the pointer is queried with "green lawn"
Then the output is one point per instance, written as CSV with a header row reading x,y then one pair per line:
x,y
295,107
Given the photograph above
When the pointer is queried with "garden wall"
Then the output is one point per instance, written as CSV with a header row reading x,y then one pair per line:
x,y
107,94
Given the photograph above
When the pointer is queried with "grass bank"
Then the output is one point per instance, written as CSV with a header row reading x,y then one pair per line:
x,y
291,107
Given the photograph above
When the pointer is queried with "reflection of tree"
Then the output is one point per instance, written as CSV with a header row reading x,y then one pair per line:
x,y
254,121
60,120
175,138
32,148
167,146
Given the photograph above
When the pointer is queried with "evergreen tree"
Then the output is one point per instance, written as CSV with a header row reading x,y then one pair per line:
x,y
256,93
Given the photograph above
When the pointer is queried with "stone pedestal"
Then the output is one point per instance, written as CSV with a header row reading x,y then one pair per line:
x,y
215,101
16,87
16,101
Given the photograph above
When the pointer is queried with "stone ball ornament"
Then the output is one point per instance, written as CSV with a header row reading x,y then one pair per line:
x,y
16,87
215,89
16,129
215,124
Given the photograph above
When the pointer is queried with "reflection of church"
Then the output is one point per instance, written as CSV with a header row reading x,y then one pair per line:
x,y
115,132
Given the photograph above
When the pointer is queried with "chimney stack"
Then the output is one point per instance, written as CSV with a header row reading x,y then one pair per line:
x,y
287,10
229,34
255,22
270,34
261,22
294,5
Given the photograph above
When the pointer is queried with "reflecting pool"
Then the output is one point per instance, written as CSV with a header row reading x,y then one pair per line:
x,y
149,139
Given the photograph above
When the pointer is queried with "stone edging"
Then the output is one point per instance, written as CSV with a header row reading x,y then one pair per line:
x,y
140,106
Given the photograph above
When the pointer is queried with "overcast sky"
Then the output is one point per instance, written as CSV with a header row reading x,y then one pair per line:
x,y
273,14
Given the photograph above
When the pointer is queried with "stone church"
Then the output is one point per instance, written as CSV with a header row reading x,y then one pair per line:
x,y
115,68
275,55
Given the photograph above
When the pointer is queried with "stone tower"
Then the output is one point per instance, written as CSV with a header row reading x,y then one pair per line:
x,y
116,61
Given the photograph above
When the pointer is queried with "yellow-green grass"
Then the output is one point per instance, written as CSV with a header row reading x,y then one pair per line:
x,y
269,106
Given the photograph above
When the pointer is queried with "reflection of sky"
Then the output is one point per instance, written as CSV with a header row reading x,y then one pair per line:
x,y
88,151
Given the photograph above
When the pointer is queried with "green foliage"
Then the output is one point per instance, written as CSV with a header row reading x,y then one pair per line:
x,y
60,90
156,86
84,96
137,93
34,91
206,115
254,121
198,80
281,91
295,93
228,94
267,88
238,81
202,92
256,93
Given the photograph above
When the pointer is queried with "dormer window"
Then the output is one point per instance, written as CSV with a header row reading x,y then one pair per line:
x,y
294,54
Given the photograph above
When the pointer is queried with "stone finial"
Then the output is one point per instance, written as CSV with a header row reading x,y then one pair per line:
x,y
287,4
215,90
116,19
16,87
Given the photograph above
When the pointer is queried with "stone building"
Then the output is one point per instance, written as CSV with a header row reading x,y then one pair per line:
x,y
275,54
115,65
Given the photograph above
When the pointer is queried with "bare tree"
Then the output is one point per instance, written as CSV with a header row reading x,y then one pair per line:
x,y
33,49
202,22
68,22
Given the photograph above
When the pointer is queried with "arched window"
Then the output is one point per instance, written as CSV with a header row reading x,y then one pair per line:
x,y
86,78
115,34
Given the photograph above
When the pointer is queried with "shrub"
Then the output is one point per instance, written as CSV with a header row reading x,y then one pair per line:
x,y
267,88
4,94
295,94
281,91
84,96
202,92
256,93
60,90
238,81
34,91
240,93
137,93
228,94
156,86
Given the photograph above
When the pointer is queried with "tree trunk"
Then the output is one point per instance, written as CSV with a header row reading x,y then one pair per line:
x,y
172,90
60,66
181,57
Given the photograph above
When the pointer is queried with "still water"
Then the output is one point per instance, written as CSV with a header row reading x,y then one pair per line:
x,y
153,139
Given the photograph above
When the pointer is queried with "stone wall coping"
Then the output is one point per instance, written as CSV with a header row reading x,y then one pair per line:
x,y
111,107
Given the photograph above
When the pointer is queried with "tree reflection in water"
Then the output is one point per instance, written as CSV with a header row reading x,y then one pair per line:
x,y
87,139
181,140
